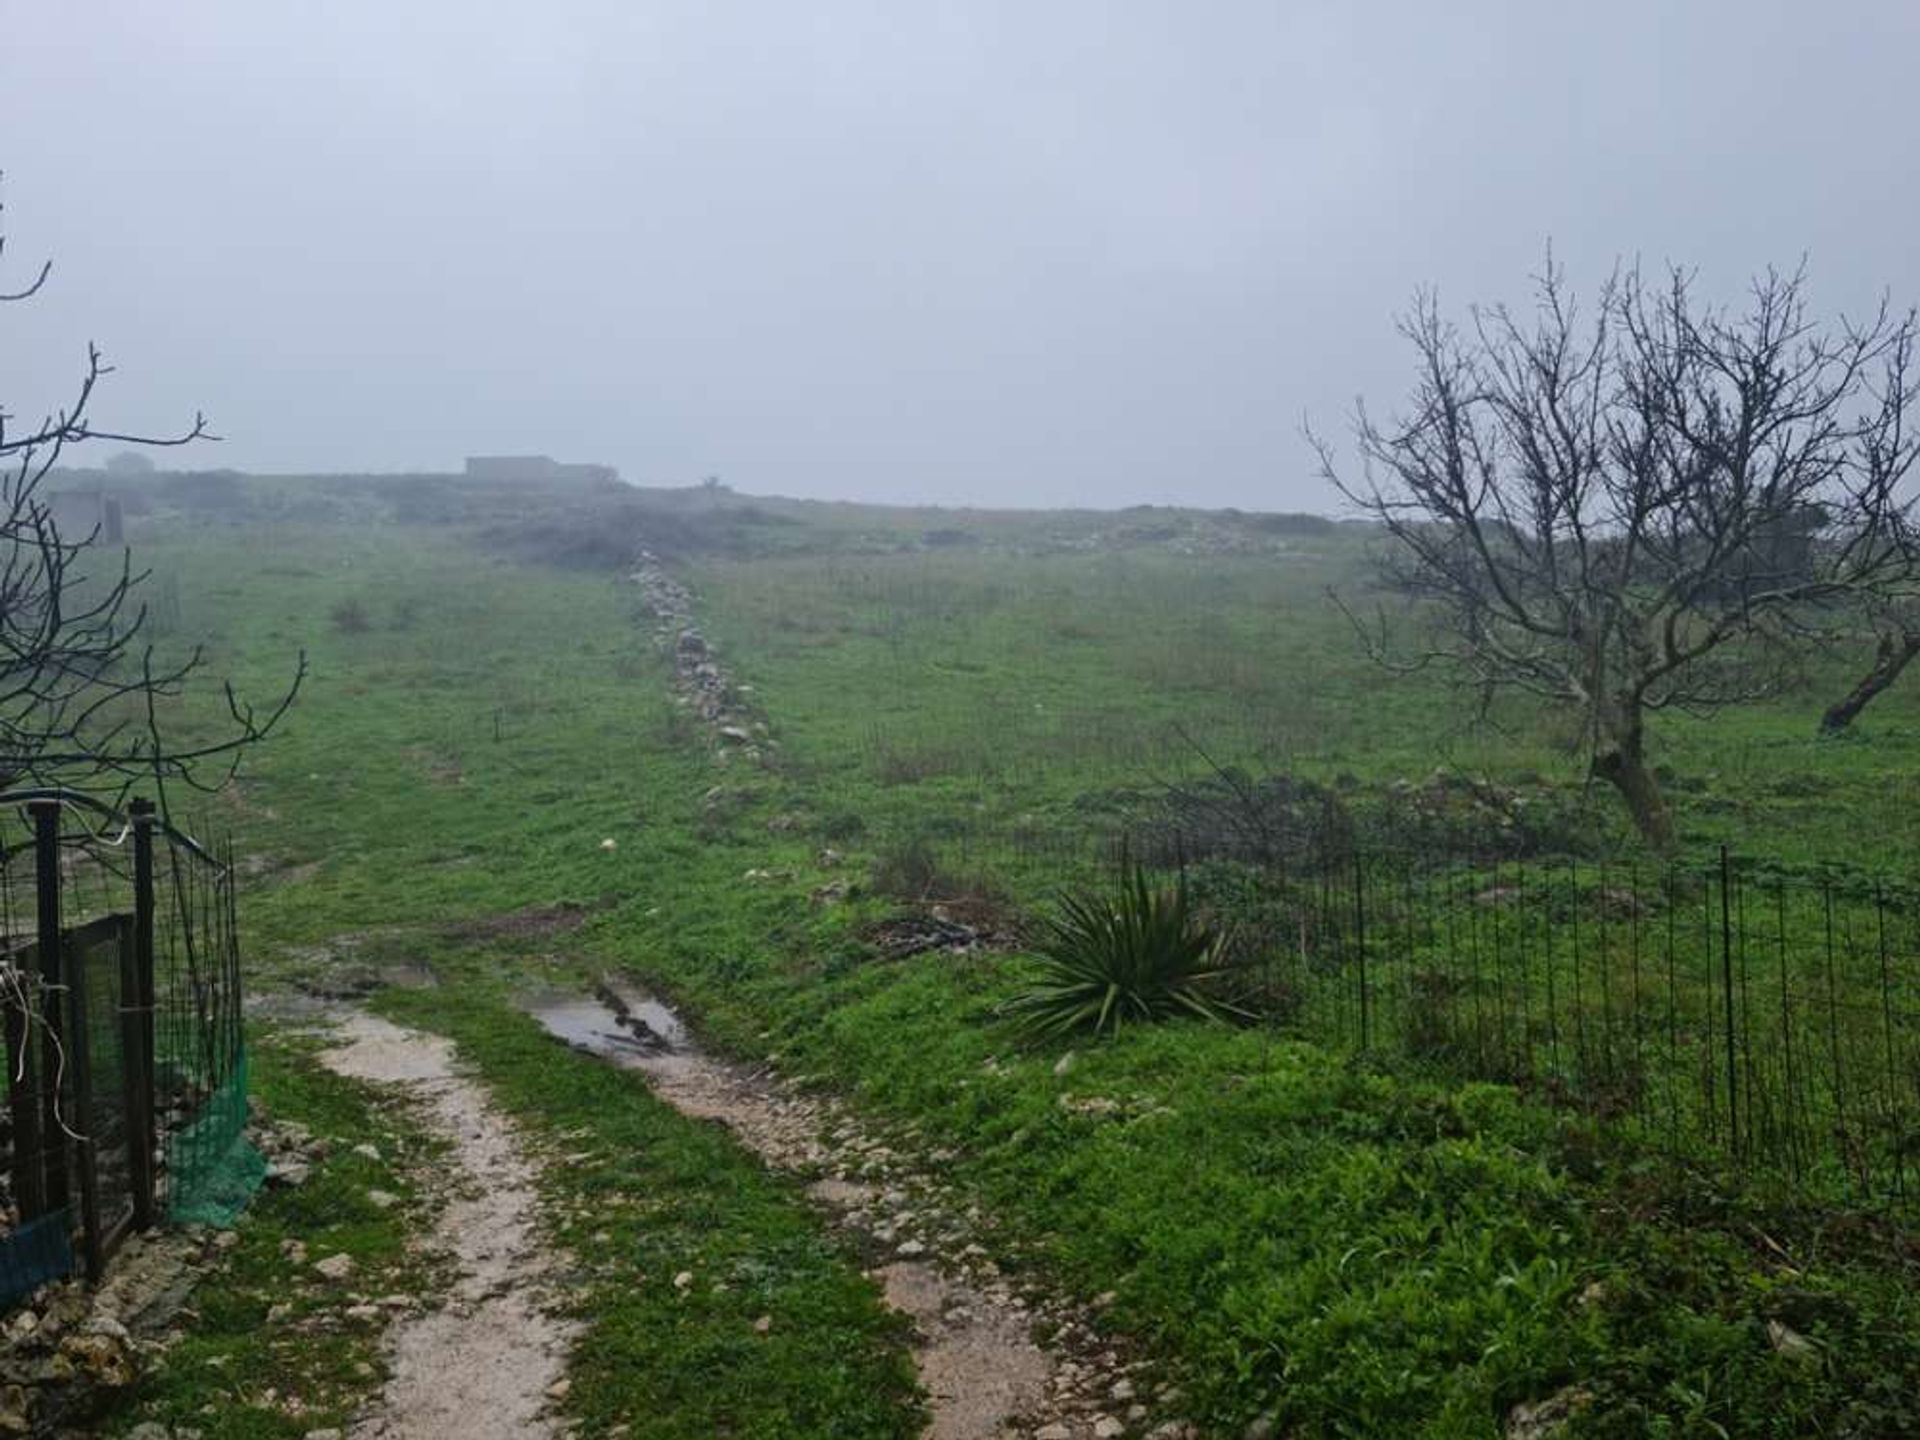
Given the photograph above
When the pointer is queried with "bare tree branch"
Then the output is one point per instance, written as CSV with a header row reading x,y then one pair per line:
x,y
80,689
1631,512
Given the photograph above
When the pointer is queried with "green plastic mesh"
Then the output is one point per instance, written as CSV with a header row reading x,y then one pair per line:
x,y
212,1168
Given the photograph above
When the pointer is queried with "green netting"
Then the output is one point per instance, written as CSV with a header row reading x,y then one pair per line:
x,y
212,1168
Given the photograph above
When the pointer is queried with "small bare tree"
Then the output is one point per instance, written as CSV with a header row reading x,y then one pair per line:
x,y
1896,634
81,692
1604,512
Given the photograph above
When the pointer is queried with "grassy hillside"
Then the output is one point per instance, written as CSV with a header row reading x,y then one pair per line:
x,y
1359,1248
1011,687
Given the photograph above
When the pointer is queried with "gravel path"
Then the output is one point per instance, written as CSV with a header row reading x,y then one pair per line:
x,y
480,1366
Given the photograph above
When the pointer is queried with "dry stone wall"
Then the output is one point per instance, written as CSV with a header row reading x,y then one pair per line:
x,y
701,683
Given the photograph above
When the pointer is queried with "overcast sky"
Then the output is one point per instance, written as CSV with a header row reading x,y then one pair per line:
x,y
1033,252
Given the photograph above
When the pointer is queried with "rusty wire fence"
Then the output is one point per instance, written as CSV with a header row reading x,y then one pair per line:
x,y
126,1064
1721,1009
1718,1008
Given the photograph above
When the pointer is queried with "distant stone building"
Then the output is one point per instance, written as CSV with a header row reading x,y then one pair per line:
x,y
535,467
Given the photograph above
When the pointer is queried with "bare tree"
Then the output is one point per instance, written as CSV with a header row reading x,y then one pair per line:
x,y
1896,631
1607,512
81,690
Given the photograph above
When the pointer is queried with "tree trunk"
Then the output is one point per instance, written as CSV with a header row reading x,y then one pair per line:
x,y
1889,659
1624,766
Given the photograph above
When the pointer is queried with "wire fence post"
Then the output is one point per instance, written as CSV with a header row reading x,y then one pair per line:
x,y
1581,1054
137,995
1893,1067
1790,1117
1833,1031
1726,985
50,1019
1673,1016
74,966
23,1100
1360,945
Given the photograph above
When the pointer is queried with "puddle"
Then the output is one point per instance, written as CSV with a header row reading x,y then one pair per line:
x,y
615,1023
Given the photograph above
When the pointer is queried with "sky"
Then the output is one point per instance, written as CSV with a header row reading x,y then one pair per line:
x,y
1040,252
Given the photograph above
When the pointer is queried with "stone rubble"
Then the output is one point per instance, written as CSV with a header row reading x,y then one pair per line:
x,y
1543,1419
701,683
69,1348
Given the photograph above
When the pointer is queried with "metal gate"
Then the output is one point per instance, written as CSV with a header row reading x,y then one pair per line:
x,y
99,1145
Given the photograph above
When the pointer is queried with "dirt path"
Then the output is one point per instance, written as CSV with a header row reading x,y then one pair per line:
x,y
985,1375
478,1368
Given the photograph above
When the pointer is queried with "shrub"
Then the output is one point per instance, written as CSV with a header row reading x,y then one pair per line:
x,y
842,826
350,618
1232,815
908,870
1138,955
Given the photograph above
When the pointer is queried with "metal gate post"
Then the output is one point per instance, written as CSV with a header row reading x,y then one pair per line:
x,y
51,1020
82,1120
136,1001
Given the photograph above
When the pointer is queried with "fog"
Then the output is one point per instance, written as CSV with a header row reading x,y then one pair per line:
x,y
980,253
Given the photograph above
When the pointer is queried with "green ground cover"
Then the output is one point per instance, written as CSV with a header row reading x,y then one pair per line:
x,y
1362,1249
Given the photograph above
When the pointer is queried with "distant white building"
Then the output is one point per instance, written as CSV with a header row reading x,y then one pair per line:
x,y
534,467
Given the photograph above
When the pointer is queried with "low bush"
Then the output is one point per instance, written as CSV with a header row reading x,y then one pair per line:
x,y
842,826
350,617
908,870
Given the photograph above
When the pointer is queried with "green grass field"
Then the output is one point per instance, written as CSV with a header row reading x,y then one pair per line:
x,y
1360,1248
1005,689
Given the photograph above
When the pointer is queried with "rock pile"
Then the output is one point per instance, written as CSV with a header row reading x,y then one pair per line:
x,y
59,1357
900,937
701,684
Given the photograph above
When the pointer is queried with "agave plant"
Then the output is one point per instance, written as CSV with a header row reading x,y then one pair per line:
x,y
1135,955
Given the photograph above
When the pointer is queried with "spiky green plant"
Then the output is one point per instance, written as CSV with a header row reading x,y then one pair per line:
x,y
1134,955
